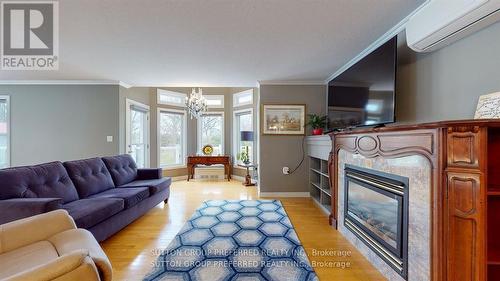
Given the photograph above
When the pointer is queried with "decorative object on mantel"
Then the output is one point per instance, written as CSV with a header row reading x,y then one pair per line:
x,y
245,155
196,104
488,106
317,123
207,149
285,119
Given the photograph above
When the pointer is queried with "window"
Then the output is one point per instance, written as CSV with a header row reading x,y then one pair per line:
x,y
171,98
4,132
214,101
211,131
171,138
243,121
243,98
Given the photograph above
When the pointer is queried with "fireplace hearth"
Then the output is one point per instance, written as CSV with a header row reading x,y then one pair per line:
x,y
376,211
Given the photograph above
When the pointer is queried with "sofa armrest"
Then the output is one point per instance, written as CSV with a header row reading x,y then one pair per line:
x,y
27,231
73,266
19,208
149,174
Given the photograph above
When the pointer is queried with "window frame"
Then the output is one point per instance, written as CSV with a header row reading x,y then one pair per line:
x,y
243,93
236,131
8,152
198,130
161,110
160,92
215,97
128,110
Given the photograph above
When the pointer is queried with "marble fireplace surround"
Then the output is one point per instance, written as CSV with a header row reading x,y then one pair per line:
x,y
418,170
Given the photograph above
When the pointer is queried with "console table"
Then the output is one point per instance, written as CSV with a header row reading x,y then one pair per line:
x,y
463,176
194,160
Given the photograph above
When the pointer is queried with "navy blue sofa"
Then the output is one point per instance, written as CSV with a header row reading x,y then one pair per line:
x,y
102,195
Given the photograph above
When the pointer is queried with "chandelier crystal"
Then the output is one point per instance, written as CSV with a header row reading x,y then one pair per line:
x,y
196,104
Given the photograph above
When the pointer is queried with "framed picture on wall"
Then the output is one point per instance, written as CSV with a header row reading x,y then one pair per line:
x,y
283,119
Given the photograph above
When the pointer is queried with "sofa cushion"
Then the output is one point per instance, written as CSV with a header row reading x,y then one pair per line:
x,y
122,168
89,212
49,180
154,186
90,176
26,257
131,196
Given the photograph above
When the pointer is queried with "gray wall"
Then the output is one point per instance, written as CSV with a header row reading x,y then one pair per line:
x,y
446,84
279,151
62,122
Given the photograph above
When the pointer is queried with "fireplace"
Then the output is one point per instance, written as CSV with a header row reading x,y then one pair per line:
x,y
376,211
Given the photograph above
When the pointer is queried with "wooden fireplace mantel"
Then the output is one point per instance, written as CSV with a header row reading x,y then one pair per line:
x,y
465,188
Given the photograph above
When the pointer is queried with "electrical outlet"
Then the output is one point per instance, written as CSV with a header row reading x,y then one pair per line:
x,y
109,138
286,171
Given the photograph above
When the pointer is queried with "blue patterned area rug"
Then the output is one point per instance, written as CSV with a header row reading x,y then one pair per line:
x,y
244,240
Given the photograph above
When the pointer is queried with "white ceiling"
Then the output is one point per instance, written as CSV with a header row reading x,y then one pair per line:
x,y
214,43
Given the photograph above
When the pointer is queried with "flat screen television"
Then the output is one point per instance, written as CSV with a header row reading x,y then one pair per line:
x,y
364,94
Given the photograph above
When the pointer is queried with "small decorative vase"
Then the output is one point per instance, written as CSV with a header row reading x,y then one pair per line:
x,y
317,132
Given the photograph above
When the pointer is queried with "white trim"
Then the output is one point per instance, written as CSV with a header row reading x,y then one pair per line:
x,y
198,130
235,134
242,93
321,207
160,92
128,103
238,178
284,194
184,138
291,82
179,178
65,82
9,150
215,97
395,30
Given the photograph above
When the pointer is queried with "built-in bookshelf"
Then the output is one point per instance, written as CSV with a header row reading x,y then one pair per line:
x,y
319,181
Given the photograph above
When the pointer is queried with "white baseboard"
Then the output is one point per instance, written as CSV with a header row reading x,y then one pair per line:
x,y
238,178
284,194
180,178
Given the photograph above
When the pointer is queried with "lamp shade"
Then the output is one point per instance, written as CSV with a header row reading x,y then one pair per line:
x,y
246,135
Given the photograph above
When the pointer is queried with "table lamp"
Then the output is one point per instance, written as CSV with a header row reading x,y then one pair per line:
x,y
246,136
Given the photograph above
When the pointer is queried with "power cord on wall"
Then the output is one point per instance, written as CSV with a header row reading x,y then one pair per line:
x,y
303,157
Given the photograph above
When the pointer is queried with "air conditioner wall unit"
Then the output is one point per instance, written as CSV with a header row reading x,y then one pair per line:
x,y
442,22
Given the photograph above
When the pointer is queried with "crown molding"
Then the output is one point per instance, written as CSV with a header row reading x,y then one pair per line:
x,y
65,82
395,30
291,82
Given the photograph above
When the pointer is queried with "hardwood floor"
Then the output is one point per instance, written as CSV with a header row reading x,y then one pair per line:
x,y
133,250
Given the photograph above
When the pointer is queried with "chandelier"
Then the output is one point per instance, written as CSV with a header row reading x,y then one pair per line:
x,y
196,104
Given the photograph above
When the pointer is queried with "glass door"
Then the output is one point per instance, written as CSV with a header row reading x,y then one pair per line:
x,y
138,133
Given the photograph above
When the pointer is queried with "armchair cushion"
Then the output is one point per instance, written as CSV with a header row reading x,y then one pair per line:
x,y
30,230
122,168
49,180
131,196
90,176
89,212
31,255
73,266
154,186
18,208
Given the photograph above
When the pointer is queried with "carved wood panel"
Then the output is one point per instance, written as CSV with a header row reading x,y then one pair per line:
x,y
465,227
463,148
